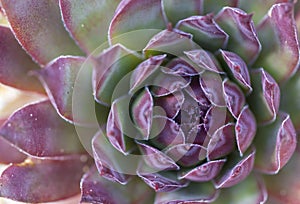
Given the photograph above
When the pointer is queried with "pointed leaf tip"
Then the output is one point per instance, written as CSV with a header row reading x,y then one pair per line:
x,y
238,173
242,34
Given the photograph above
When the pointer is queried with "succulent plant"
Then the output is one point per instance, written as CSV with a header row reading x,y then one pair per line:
x,y
149,101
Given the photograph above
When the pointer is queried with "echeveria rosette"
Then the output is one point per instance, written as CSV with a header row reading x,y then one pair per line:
x,y
196,101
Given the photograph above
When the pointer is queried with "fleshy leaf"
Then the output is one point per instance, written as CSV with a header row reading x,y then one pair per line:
x,y
251,190
238,69
171,104
205,31
170,42
215,118
187,154
15,64
234,97
205,172
245,129
221,143
133,15
119,126
156,159
204,60
176,9
111,67
166,132
36,181
95,189
181,67
141,75
265,99
37,130
165,84
88,22
194,193
58,78
161,183
112,164
197,93
290,93
237,173
211,84
10,154
276,144
278,34
142,112
241,31
284,187
37,25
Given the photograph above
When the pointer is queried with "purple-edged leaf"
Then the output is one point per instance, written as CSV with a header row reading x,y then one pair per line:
x,y
195,193
95,189
142,112
156,159
276,144
119,124
161,183
290,92
39,29
204,60
205,31
187,154
197,93
166,132
170,42
221,143
278,34
36,181
242,34
165,84
180,66
238,69
215,6
112,65
234,97
39,131
58,78
112,164
237,173
284,187
205,172
88,22
10,154
211,84
251,190
133,15
265,99
171,104
245,129
15,64
142,73
215,118
176,9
